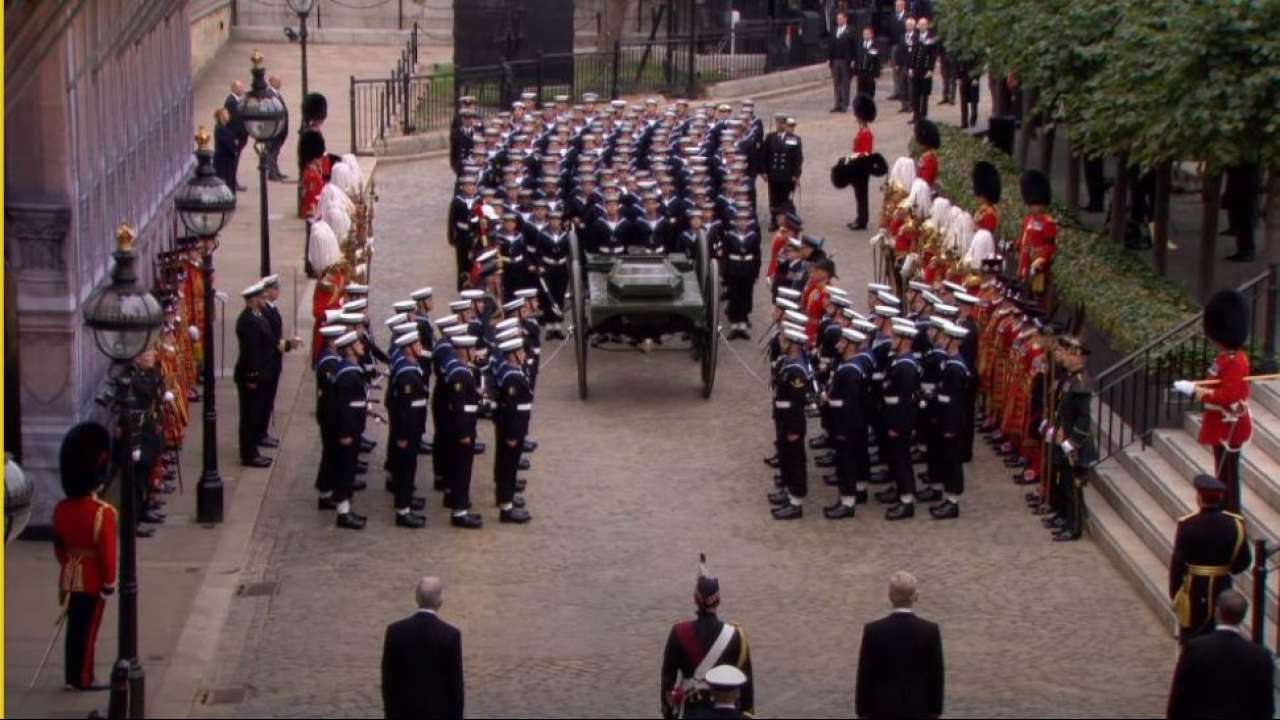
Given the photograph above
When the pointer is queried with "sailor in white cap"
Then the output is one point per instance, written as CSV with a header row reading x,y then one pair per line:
x,y
407,421
350,413
784,162
929,343
953,416
968,306
511,425
254,373
459,414
901,406
791,392
280,346
848,402
725,682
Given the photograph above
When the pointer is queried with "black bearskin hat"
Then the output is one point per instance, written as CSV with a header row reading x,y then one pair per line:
x,y
927,135
876,165
842,173
314,107
1035,188
986,181
1226,319
310,147
864,108
84,459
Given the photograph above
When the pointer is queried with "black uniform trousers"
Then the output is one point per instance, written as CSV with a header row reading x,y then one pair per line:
x,y
506,461
84,617
841,78
343,476
556,278
852,463
867,86
970,422
780,196
897,453
969,98
441,441
403,464
950,465
739,295
948,80
1227,463
860,183
794,466
931,434
254,413
1068,491
921,87
462,259
458,474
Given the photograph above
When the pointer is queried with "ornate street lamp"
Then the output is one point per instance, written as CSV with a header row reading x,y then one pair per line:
x,y
124,318
264,116
204,206
301,8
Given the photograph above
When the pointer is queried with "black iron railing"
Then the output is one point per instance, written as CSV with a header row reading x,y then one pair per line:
x,y
1134,397
407,103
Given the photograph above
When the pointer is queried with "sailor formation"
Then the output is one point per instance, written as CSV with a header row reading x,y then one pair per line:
x,y
533,183
946,342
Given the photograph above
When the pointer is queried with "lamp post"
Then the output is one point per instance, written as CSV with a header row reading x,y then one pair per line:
x,y
302,8
204,205
123,318
264,115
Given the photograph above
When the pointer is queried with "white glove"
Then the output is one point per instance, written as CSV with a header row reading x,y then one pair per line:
x,y
137,454
1186,387
193,332
1048,434
168,396
221,295
1043,424
1067,447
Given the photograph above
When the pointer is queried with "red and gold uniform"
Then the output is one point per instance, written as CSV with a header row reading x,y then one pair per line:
x,y
775,250
927,167
986,218
1227,425
84,530
813,302
1036,248
863,142
314,177
328,295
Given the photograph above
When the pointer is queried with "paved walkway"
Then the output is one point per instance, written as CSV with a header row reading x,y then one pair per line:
x,y
567,616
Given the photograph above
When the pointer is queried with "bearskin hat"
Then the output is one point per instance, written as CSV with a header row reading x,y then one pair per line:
x,y
314,107
986,181
927,135
864,108
1226,319
310,147
85,458
841,173
1035,188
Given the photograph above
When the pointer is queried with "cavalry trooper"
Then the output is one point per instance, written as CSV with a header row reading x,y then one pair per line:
x,y
696,646
351,407
552,250
741,258
848,430
407,413
1072,435
326,368
511,425
953,413
1208,548
790,396
459,415
901,405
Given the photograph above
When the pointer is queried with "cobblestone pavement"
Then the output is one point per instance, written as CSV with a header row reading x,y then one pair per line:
x,y
567,616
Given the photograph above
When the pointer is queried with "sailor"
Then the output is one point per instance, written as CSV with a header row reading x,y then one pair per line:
x,y
527,312
511,425
848,431
725,685
553,248
464,222
326,369
741,257
901,405
953,413
407,413
463,398
1209,547
515,263
791,390
443,358
351,407
253,374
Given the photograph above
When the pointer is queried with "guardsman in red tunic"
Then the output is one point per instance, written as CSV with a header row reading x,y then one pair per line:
x,y
84,540
1039,239
864,110
315,167
929,141
986,188
694,647
1227,425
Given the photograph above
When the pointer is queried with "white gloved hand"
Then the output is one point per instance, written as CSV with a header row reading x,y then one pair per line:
x,y
1043,424
1186,387
221,295
168,396
1067,447
137,454
193,332
1048,434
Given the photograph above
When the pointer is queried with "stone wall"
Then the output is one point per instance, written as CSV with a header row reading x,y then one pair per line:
x,y
354,15
210,28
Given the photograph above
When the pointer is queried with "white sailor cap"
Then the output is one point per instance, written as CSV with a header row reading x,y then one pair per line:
x,y
351,318
453,331
511,345
905,330
561,98
355,305
396,319
404,328
918,286
725,676
403,306
356,289
856,315
507,334
953,286
331,316
930,297
508,323
332,331
526,293
852,335
956,331
795,335
421,293
939,322
876,288
797,317
446,320
253,290
513,305
463,341
786,304
839,301
966,299
849,313
886,311
473,293
346,339
788,325
865,325
272,280
833,290
590,97
946,310
407,339
459,305
789,293
888,298
794,243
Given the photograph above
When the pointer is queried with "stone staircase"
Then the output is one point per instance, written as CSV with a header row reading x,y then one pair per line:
x,y
1137,496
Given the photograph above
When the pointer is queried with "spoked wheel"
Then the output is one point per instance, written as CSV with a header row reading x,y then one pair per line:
x,y
703,260
580,329
710,350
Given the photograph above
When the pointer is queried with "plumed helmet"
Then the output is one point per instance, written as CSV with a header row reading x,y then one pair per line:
x,y
1035,188
986,181
325,251
927,134
706,591
310,147
314,107
84,459
864,108
1226,319
903,173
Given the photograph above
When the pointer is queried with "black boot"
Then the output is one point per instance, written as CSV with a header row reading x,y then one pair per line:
x,y
901,511
410,520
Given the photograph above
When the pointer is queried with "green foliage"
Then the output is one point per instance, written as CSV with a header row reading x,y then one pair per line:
x,y
1123,297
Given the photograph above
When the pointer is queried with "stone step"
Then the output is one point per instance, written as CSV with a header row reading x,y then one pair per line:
x,y
1266,394
1258,465
1131,555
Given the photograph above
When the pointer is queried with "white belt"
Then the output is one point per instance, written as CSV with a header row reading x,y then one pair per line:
x,y
928,387
877,376
891,400
470,408
1230,415
517,258
359,403
924,404
553,261
944,398
742,258
835,403
524,407
419,403
782,404
537,350
611,251
462,225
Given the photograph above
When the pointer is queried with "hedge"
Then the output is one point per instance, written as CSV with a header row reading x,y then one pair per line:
x,y
1123,297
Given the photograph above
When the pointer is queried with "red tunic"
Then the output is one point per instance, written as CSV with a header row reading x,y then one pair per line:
x,y
863,142
927,167
314,177
1039,242
904,235
987,219
84,540
327,296
779,241
813,301
1226,407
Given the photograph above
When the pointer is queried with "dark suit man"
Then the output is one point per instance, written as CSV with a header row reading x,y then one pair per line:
x,y
1223,674
840,58
422,661
232,105
900,668
897,43
274,145
225,148
867,63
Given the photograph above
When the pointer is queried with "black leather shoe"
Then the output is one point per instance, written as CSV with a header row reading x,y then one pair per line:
x,y
825,460
530,445
524,464
367,445
410,520
1015,463
262,461
350,521
839,511
362,468
1064,536
778,481
860,497
946,511
1033,496
521,484
788,512
929,495
779,497
917,456
151,517
888,496
470,521
1053,522
1238,257
819,442
901,511
1025,479
830,480
359,485
324,503
417,504
269,442
772,461
144,531
424,448
518,501
516,515
478,447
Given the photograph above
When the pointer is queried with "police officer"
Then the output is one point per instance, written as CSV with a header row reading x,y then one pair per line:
x,y
1208,548
784,161
953,413
407,412
511,425
351,407
791,389
463,405
901,405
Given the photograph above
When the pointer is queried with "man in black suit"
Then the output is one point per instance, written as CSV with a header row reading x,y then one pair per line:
x,y
897,39
1224,674
273,146
422,661
867,63
236,123
840,58
226,147
900,669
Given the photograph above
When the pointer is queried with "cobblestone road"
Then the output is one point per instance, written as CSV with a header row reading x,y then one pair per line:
x,y
567,616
